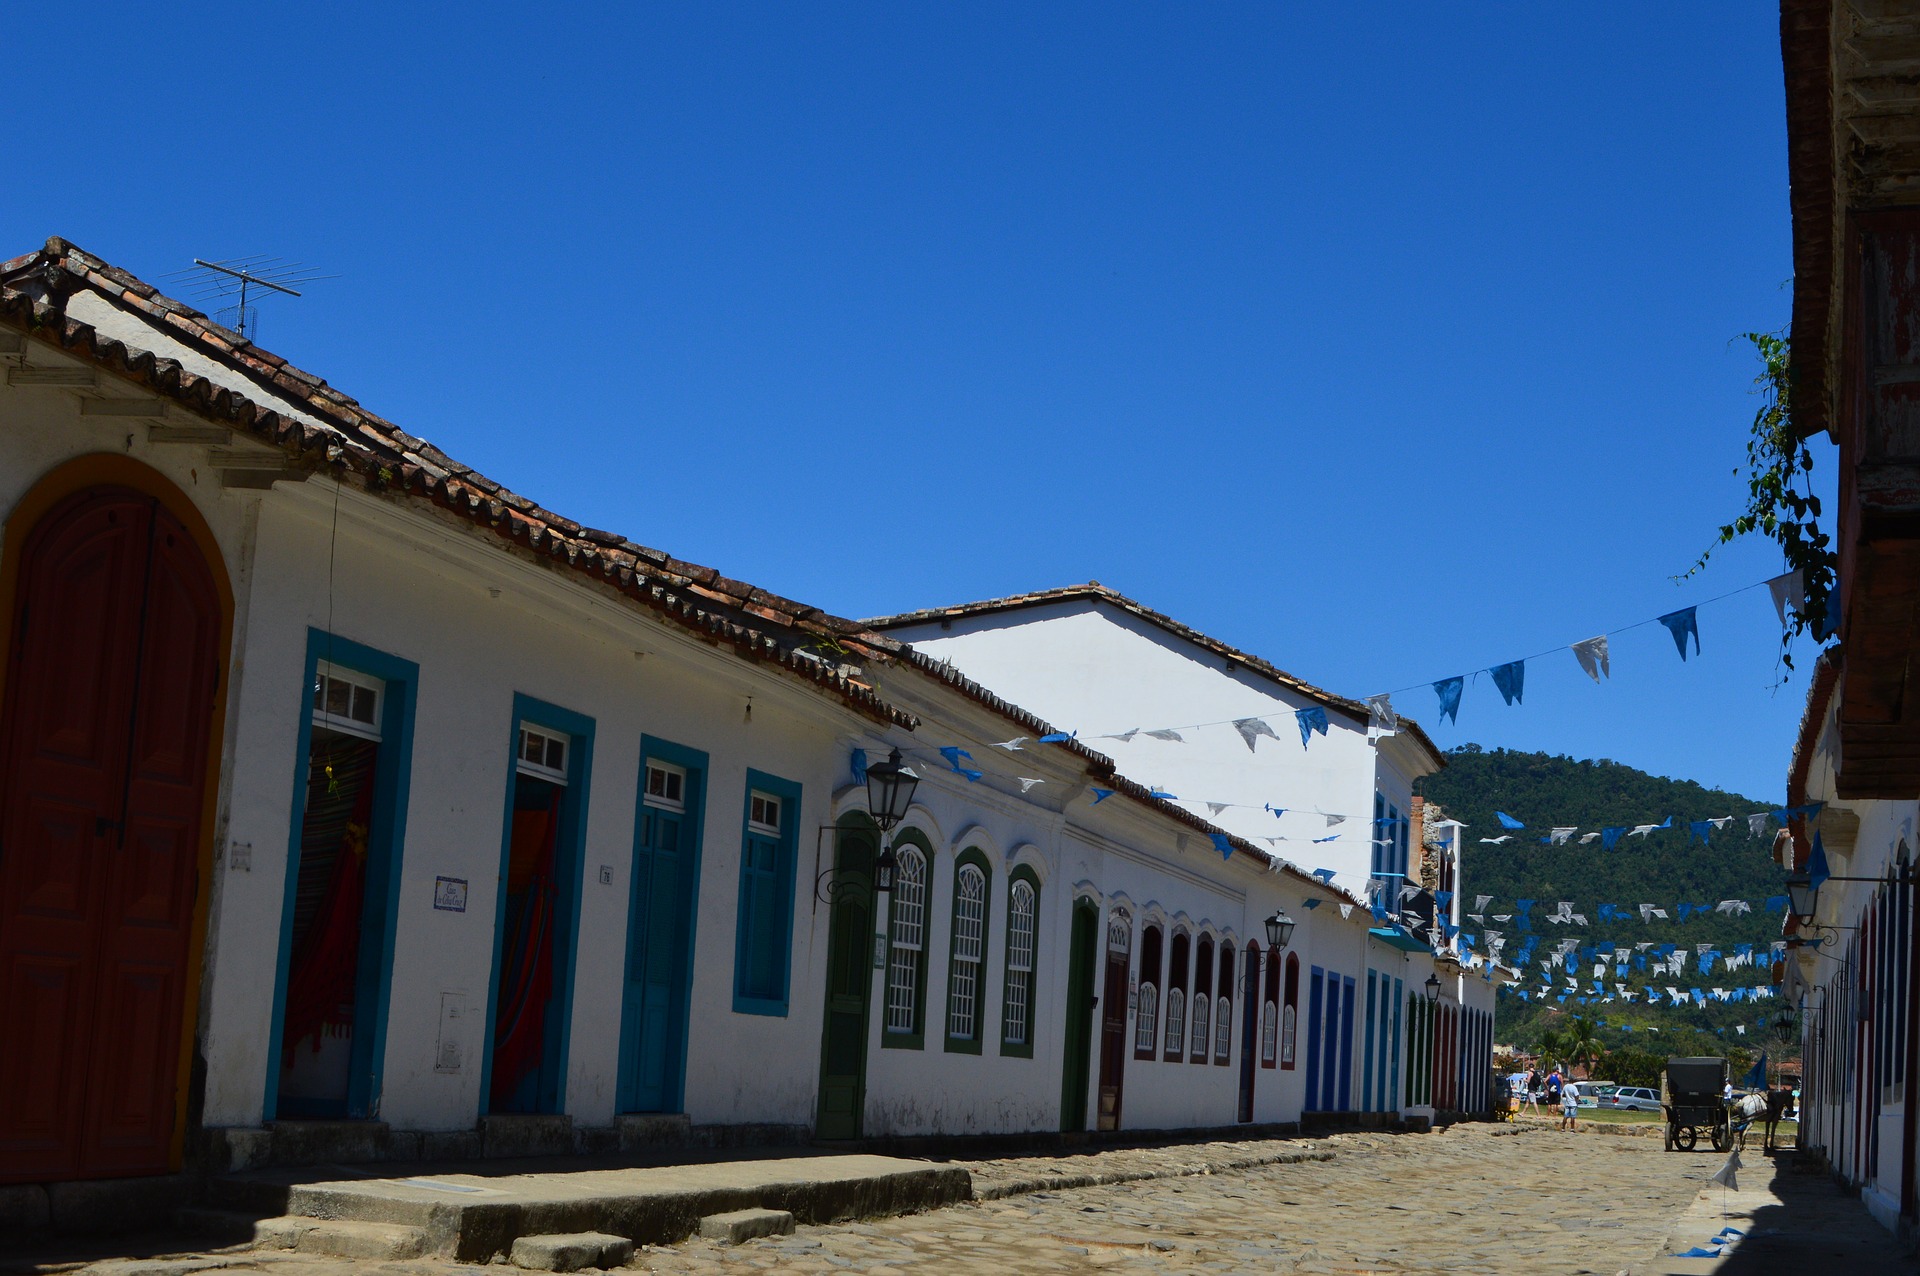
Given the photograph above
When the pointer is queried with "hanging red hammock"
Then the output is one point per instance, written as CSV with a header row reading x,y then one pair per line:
x,y
526,967
320,987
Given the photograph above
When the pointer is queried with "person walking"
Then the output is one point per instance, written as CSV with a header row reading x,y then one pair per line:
x,y
1569,1107
1530,1091
1555,1084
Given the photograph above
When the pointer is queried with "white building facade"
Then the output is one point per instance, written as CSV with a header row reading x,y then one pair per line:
x,y
346,792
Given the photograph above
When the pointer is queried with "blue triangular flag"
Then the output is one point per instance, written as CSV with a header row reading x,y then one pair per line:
x,y
1162,794
1311,904
1511,679
1324,874
1680,624
1448,689
1817,870
1311,720
1222,845
1507,821
1058,737
953,753
1609,836
1101,795
859,766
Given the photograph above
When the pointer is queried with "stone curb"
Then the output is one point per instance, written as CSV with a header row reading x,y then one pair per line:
x,y
1057,1182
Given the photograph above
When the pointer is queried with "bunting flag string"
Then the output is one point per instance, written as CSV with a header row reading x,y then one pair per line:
x,y
1509,677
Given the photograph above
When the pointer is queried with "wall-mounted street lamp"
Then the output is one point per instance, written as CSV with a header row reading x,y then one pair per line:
x,y
890,787
1433,989
1279,930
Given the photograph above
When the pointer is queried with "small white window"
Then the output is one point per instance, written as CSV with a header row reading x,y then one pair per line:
x,y
543,754
347,701
666,786
763,813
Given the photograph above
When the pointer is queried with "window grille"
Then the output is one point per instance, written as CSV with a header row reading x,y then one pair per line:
x,y
1019,994
969,932
1269,1032
1146,1026
1200,1025
763,813
1222,1028
1176,1020
909,941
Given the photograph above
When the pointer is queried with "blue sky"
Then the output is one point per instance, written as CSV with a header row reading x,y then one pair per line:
x,y
1388,344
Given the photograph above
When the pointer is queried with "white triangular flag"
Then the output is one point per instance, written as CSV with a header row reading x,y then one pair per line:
x,y
1252,729
1757,824
1216,807
1480,903
1592,655
1560,835
1027,783
1727,1176
1586,838
1788,588
1013,745
1381,718
1174,736
1346,909
1335,819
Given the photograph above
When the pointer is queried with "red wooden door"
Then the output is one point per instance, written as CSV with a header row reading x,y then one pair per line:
x,y
103,750
1113,1039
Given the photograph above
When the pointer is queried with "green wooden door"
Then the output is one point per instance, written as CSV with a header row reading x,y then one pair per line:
x,y
1073,1079
843,1038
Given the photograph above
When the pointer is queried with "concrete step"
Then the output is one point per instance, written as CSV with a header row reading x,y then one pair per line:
x,y
474,1217
340,1238
571,1251
744,1225
224,1227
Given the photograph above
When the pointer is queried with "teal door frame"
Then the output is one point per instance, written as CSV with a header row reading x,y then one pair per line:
x,y
569,854
380,907
632,1093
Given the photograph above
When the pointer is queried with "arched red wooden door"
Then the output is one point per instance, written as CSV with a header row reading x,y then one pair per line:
x,y
113,671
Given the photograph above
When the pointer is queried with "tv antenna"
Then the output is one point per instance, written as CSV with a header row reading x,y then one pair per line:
x,y
241,280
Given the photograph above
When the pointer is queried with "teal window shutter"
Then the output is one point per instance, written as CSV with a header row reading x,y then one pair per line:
x,y
764,929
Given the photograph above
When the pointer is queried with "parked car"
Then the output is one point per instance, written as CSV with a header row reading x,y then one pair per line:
x,y
1632,1099
1589,1094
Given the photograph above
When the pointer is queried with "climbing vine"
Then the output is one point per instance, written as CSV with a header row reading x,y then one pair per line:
x,y
1781,503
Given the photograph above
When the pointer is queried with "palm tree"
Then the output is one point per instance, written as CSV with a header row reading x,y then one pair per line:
x,y
1581,1043
1552,1045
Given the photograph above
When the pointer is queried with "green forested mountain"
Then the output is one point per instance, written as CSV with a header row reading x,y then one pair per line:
x,y
1665,868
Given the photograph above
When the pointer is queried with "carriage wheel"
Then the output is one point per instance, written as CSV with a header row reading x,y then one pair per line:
x,y
1686,1136
1666,1136
1722,1136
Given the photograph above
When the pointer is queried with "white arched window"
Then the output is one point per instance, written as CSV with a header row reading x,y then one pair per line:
x,y
907,956
1146,1028
969,951
1286,1035
1017,1004
1176,1020
1201,1003
1269,1032
1222,1027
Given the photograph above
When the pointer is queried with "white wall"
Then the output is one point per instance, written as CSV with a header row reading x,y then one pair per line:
x,y
1096,669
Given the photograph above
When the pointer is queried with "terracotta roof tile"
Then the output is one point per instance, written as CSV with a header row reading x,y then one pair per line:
x,y
355,445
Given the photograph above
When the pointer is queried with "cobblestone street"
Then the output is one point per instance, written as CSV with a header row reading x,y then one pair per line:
x,y
1473,1199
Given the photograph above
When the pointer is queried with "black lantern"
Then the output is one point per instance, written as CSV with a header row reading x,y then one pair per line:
x,y
890,787
1433,989
1804,895
883,869
1279,930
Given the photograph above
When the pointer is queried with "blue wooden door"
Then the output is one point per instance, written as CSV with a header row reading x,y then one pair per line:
x,y
1312,1103
654,1016
1346,1043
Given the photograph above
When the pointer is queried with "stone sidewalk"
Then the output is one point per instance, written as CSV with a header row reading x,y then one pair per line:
x,y
1471,1199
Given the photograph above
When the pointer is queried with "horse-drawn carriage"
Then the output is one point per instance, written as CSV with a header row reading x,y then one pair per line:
x,y
1692,1098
